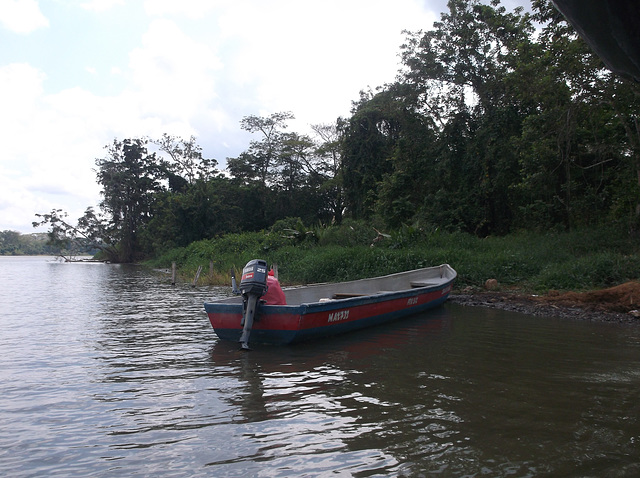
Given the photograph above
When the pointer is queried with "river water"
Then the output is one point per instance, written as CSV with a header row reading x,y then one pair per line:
x,y
108,370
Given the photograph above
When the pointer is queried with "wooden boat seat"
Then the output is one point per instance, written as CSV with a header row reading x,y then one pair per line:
x,y
346,295
416,284
349,295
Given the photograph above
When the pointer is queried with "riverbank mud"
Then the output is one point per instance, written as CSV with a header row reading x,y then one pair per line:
x,y
616,304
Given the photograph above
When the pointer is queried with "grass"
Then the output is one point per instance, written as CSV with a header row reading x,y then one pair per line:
x,y
577,260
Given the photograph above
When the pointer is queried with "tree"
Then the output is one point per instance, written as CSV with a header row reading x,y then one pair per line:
x,y
574,144
280,173
10,243
329,167
293,163
456,76
204,210
14,243
90,234
369,137
257,163
185,164
387,162
130,178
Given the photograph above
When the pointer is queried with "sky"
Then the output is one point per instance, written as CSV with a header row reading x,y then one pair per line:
x,y
77,74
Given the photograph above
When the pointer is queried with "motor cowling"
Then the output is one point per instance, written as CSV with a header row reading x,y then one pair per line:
x,y
254,278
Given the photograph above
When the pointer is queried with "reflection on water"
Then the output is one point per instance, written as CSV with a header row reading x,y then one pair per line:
x,y
109,370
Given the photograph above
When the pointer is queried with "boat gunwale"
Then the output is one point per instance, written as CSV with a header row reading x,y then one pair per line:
x,y
236,301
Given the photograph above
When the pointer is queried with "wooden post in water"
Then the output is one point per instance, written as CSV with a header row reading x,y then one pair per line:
x,y
195,280
173,273
211,269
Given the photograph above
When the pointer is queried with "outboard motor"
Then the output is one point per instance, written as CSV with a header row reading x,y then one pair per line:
x,y
253,285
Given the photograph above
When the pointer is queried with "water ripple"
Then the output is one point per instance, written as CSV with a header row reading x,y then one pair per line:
x,y
109,370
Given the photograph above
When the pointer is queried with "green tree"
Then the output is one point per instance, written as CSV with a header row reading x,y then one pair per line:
x,y
329,168
204,210
10,243
257,163
369,137
130,177
574,145
280,175
90,234
455,76
185,163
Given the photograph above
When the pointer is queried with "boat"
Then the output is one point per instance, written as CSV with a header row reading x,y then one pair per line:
x,y
322,310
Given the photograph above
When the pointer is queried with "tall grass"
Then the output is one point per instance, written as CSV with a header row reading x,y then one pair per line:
x,y
578,260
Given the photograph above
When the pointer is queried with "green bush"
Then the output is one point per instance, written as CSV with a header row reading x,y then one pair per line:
x,y
597,270
576,260
348,234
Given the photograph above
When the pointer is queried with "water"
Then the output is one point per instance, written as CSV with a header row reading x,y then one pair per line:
x,y
108,370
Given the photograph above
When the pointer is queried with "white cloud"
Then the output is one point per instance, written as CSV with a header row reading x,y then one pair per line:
x,y
314,58
22,16
52,139
189,8
100,5
20,88
50,142
194,68
15,200
172,74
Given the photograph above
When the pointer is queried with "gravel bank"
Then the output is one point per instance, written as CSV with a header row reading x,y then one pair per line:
x,y
544,306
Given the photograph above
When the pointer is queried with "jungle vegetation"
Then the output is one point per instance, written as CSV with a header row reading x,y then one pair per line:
x,y
498,122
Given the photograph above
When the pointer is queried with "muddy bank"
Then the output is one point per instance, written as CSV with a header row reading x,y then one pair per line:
x,y
619,304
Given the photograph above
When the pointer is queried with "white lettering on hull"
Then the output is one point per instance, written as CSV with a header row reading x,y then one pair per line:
x,y
338,316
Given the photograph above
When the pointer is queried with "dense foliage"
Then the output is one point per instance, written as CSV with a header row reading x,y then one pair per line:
x,y
13,243
578,260
499,121
492,126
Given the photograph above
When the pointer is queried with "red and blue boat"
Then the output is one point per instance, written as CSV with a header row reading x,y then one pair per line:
x,y
322,310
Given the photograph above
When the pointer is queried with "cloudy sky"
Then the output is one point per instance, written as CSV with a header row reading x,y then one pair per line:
x,y
75,74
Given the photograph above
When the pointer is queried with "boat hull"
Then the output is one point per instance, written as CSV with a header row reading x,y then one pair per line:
x,y
287,324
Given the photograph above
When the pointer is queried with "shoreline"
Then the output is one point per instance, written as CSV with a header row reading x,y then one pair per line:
x,y
543,306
